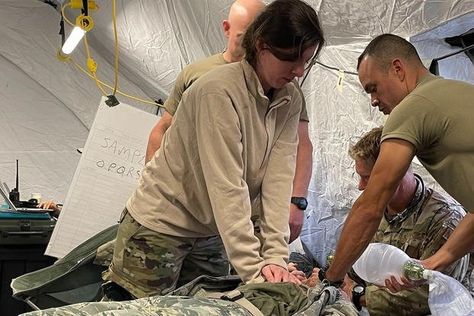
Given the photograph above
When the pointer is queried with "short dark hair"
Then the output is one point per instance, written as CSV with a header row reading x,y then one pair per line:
x,y
387,47
368,147
284,24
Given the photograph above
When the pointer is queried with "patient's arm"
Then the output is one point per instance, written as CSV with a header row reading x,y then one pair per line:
x,y
293,269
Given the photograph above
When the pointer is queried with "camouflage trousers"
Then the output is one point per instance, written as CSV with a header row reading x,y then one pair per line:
x,y
147,263
272,299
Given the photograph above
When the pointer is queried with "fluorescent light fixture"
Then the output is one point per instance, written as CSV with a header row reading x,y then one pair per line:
x,y
74,38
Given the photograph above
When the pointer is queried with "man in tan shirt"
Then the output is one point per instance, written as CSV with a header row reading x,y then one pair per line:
x,y
430,117
241,14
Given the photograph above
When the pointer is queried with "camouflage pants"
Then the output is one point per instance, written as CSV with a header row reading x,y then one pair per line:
x,y
156,306
275,299
149,263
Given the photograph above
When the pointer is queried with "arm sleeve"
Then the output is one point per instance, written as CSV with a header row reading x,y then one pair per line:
x,y
304,113
220,149
380,301
414,121
180,85
440,230
276,193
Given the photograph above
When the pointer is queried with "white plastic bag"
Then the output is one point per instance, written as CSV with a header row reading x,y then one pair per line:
x,y
379,262
448,297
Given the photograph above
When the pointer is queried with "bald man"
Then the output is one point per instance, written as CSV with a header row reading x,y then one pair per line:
x,y
241,14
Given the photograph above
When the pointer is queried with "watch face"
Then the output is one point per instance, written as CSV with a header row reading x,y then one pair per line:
x,y
300,202
358,289
303,204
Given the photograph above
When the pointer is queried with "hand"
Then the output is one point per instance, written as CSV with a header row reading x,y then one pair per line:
x,y
293,269
296,221
274,273
394,286
348,286
313,279
49,205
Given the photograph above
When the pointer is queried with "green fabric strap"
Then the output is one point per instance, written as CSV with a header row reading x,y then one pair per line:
x,y
237,297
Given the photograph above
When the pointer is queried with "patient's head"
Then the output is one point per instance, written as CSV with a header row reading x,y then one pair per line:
x,y
365,153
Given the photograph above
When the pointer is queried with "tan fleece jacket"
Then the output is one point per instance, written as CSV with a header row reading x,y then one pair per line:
x,y
229,147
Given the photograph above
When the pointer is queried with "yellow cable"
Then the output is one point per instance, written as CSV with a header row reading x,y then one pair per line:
x,y
86,46
64,14
92,65
138,99
110,87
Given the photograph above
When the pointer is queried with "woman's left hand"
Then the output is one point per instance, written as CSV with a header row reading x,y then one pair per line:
x,y
274,273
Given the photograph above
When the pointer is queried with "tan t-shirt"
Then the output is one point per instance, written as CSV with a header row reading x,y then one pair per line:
x,y
229,146
437,117
192,73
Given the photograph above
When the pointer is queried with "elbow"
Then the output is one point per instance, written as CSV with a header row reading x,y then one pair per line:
x,y
308,146
304,145
160,128
367,213
374,216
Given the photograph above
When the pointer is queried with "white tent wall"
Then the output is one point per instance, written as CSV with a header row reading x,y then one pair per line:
x,y
46,106
177,33
358,21
157,39
338,116
431,44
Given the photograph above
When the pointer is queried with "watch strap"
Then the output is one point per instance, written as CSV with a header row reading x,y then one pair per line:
x,y
300,202
322,278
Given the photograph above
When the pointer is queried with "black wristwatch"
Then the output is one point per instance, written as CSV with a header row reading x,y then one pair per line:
x,y
357,292
322,278
300,202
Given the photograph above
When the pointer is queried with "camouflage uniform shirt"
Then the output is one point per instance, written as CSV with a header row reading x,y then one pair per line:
x,y
419,231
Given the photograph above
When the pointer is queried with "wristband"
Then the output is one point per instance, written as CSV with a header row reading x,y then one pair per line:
x,y
323,279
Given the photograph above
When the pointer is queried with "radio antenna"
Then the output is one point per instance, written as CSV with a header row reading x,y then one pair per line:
x,y
17,182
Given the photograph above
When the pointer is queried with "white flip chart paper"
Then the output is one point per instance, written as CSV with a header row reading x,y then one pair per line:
x,y
107,173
